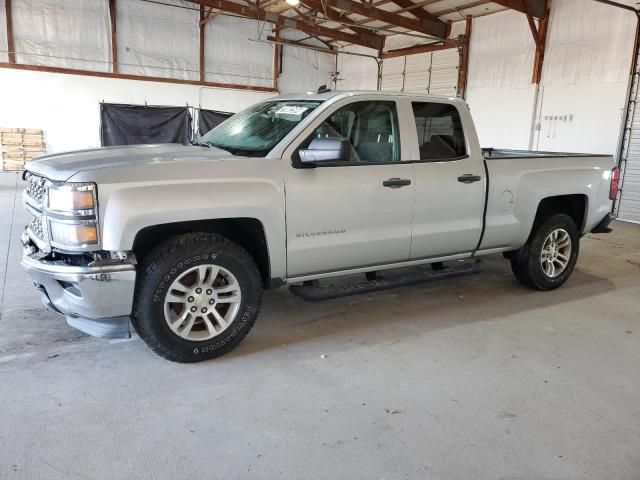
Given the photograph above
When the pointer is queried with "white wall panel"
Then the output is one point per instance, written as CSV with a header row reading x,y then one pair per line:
x,y
501,52
62,33
303,69
581,117
3,34
502,116
157,40
588,42
231,55
67,107
499,90
357,73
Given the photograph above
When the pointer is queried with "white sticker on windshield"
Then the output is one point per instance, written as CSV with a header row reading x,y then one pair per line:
x,y
292,110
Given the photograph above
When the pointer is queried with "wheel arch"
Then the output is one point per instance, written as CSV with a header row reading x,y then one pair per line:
x,y
247,232
574,205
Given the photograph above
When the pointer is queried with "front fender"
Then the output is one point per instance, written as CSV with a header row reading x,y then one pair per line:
x,y
129,209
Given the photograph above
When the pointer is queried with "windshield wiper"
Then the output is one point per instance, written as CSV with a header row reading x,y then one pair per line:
x,y
203,144
208,145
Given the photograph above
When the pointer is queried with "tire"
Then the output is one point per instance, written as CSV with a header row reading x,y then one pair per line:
x,y
527,264
181,259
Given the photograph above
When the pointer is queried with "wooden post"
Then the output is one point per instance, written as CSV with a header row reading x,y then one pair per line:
x,y
540,39
464,59
113,13
10,44
203,24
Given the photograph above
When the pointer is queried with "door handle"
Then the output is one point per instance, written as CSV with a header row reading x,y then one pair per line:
x,y
396,182
469,178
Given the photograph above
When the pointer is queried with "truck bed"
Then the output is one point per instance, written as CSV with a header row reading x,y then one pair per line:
x,y
498,153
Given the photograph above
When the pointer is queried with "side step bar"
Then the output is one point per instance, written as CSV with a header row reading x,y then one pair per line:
x,y
316,292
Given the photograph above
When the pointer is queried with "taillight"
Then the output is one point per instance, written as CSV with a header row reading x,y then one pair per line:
x,y
615,183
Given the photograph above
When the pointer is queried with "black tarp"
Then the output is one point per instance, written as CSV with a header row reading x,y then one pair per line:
x,y
139,124
208,119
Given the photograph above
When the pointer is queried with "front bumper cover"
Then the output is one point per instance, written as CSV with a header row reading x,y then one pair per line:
x,y
95,299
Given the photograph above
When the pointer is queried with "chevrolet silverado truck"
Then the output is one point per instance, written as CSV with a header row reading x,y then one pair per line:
x,y
180,241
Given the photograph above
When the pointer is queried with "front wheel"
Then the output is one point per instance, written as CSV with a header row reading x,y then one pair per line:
x,y
198,296
549,257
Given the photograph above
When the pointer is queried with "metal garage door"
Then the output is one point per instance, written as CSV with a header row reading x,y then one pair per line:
x,y
445,65
435,73
629,207
393,74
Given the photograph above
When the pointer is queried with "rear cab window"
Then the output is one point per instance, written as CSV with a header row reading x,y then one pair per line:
x,y
440,132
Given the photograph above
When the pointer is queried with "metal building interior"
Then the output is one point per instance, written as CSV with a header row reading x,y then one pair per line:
x,y
465,376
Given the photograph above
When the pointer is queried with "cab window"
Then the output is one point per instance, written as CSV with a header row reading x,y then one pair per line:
x,y
368,131
440,132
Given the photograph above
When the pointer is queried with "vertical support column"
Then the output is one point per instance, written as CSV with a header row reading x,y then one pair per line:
x,y
10,44
113,14
540,37
464,59
203,24
276,61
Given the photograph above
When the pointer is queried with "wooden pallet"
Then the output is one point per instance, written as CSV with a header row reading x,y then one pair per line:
x,y
34,131
13,165
20,145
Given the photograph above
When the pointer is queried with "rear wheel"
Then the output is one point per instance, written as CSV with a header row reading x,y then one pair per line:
x,y
198,296
549,257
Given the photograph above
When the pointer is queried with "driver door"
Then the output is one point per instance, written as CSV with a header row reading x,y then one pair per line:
x,y
356,211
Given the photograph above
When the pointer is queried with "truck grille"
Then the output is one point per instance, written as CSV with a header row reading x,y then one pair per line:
x,y
34,196
35,188
36,227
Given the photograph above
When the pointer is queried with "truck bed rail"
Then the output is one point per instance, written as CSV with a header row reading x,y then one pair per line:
x,y
498,153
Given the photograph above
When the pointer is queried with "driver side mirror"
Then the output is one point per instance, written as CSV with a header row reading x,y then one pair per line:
x,y
325,150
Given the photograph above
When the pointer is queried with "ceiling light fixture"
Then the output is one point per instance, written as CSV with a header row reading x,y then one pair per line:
x,y
293,3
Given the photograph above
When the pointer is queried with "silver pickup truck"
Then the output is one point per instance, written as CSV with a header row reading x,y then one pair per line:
x,y
181,240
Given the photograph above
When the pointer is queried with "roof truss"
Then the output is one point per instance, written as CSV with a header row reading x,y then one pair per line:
x,y
254,12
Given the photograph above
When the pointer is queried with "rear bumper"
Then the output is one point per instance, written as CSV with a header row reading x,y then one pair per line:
x,y
94,299
603,226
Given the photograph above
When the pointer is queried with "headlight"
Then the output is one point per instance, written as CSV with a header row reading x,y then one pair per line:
x,y
72,198
73,235
72,214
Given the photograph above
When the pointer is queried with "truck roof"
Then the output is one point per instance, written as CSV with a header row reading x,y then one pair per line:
x,y
350,93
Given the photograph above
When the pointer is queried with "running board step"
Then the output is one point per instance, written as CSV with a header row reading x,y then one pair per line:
x,y
316,291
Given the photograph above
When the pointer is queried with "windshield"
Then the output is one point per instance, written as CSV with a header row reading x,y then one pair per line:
x,y
256,130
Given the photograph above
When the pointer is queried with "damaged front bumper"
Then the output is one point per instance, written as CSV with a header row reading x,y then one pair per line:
x,y
96,299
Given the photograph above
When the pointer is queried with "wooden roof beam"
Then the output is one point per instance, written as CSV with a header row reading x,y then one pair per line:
x,y
333,14
255,13
416,10
434,47
535,8
434,28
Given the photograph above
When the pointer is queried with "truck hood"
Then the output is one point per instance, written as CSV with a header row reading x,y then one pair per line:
x,y
62,166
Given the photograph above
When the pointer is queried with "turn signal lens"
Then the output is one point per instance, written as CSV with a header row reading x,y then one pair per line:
x,y
71,235
615,183
69,200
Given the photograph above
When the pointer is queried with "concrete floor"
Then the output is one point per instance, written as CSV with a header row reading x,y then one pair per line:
x,y
469,378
